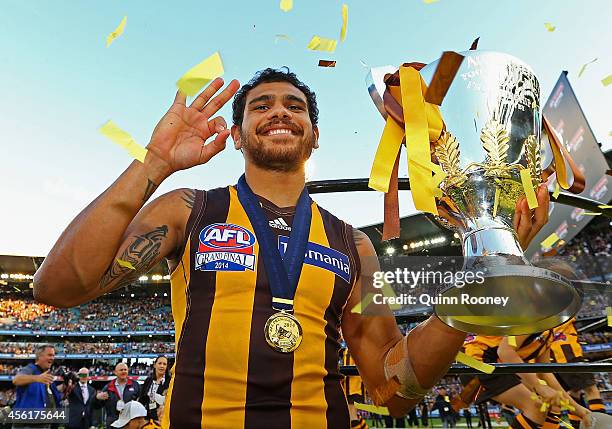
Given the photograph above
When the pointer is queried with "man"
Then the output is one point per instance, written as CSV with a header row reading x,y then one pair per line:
x,y
443,405
566,348
117,393
257,344
35,388
132,416
468,417
80,401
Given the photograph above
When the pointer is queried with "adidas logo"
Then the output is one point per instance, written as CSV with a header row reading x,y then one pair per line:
x,y
279,223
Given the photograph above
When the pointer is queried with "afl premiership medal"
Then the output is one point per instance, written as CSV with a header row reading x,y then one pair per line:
x,y
486,138
283,332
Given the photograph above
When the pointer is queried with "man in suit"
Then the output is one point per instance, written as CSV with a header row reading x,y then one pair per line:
x,y
80,400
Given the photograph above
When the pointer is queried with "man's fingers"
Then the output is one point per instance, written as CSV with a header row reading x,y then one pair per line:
x,y
214,147
208,92
216,125
220,99
524,222
180,98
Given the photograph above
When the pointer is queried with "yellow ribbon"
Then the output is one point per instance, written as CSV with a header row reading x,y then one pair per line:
x,y
383,411
384,160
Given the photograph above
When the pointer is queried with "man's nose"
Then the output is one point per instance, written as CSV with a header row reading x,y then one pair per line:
x,y
279,110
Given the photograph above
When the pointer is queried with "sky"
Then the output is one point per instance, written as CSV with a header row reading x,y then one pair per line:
x,y
59,83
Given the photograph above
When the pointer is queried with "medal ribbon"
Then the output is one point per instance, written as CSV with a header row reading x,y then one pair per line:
x,y
283,272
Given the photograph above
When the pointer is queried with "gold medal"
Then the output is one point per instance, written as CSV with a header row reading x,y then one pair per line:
x,y
283,332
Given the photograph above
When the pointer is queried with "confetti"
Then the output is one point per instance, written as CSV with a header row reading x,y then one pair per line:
x,y
344,22
327,63
286,5
607,80
117,32
542,382
534,396
609,313
383,411
496,201
125,264
591,213
474,363
549,27
584,66
555,194
550,240
512,341
123,139
430,1
278,37
532,200
604,207
198,76
318,43
544,407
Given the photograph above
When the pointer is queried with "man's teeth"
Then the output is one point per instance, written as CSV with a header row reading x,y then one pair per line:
x,y
279,131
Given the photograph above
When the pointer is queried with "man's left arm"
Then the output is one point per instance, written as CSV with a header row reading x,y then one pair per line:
x,y
397,370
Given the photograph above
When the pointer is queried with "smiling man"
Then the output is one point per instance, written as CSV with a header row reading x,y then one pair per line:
x,y
263,279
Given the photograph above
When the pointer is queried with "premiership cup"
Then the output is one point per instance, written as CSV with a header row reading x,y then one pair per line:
x,y
491,132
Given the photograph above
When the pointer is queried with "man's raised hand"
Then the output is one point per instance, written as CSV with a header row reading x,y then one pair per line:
x,y
179,139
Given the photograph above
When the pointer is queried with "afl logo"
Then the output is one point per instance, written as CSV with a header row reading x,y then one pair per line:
x,y
225,247
226,236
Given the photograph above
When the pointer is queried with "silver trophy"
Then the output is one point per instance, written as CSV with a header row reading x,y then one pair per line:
x,y
492,127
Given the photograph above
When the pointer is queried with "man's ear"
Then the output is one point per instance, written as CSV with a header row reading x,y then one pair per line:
x,y
235,133
315,131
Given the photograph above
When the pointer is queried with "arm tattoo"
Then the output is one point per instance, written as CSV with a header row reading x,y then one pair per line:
x,y
189,197
151,187
141,253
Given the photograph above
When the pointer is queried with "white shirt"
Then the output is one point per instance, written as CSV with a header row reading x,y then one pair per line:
x,y
85,391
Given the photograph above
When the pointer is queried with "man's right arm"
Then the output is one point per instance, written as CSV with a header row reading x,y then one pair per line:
x,y
114,240
25,379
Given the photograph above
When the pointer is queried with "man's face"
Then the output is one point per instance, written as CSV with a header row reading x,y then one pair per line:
x,y
45,360
121,371
83,377
276,132
137,423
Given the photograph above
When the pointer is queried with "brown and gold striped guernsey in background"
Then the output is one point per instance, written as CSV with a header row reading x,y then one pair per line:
x,y
226,375
565,346
484,347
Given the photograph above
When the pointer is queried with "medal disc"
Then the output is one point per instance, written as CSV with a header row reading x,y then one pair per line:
x,y
283,332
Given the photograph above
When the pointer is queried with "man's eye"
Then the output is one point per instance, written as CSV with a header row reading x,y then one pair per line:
x,y
294,107
261,107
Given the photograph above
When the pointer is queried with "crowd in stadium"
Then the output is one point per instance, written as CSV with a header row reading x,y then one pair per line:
x,y
74,347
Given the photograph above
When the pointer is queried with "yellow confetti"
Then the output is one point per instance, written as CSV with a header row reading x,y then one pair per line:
x,y
609,313
534,397
550,240
363,304
512,341
125,264
430,1
286,5
383,411
198,76
604,206
607,80
278,37
318,43
474,363
584,66
549,26
532,200
544,407
344,22
555,194
591,213
117,32
123,139
496,201
542,382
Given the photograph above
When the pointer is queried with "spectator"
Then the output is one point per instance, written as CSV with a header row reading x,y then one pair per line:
x,y
117,393
132,416
424,408
35,388
468,417
154,388
80,397
442,404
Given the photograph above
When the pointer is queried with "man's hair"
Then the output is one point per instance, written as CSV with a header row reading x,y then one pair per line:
x,y
273,75
41,349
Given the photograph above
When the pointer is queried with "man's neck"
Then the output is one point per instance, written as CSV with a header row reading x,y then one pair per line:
x,y
281,188
121,381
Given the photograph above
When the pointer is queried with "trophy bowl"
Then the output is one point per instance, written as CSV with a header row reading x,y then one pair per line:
x,y
491,133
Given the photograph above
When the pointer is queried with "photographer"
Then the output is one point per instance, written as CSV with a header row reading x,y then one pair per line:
x,y
80,396
154,388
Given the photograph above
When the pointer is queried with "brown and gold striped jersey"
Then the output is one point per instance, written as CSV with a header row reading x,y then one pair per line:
x,y
484,347
226,375
565,346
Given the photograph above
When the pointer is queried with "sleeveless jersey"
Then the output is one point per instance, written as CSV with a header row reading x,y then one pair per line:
x,y
484,347
226,375
353,384
565,346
